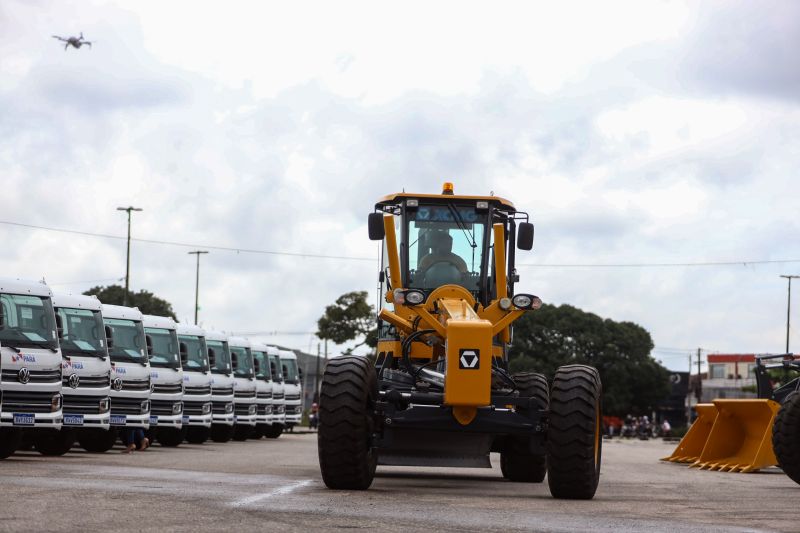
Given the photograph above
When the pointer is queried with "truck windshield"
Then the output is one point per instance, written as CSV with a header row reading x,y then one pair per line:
x,y
445,246
165,348
275,368
198,353
222,356
263,365
82,332
27,321
244,362
128,336
289,367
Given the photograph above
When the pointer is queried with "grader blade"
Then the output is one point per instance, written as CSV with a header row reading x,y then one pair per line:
x,y
691,445
741,438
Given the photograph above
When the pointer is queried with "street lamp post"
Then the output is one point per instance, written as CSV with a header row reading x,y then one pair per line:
x,y
197,283
128,255
788,306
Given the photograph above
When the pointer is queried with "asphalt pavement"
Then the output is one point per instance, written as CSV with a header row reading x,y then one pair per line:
x,y
274,485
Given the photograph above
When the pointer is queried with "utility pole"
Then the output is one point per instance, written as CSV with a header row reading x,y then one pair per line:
x,y
197,283
128,255
789,278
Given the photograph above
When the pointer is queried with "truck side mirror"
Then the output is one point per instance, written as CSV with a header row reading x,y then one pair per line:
x,y
184,351
109,337
212,357
525,236
300,372
59,326
376,229
257,366
234,361
148,340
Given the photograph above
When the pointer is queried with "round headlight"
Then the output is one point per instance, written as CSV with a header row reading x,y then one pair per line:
x,y
523,301
177,408
145,406
504,304
415,297
206,408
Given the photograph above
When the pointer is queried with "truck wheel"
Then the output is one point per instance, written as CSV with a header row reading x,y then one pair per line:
x,y
241,432
10,439
274,431
786,436
574,439
516,460
97,440
170,438
54,442
258,432
221,432
347,397
197,434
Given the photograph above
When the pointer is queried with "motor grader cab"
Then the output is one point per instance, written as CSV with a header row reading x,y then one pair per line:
x,y
440,393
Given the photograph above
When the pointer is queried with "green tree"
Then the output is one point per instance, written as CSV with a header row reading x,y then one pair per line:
x,y
147,302
633,382
349,318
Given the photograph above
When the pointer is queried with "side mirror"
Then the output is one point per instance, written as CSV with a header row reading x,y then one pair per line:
x,y
109,337
300,372
212,357
376,229
184,351
148,340
234,361
257,366
59,326
525,236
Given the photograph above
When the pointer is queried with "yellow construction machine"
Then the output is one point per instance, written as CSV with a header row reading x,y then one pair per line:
x,y
745,435
440,393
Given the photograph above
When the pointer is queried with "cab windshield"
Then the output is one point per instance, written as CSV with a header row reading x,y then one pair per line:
x,y
244,362
289,367
197,352
82,332
445,246
275,368
165,348
129,344
222,356
27,321
263,365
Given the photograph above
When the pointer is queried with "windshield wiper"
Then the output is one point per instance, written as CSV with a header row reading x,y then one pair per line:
x,y
38,345
462,226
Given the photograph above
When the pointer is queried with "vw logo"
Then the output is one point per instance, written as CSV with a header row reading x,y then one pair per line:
x,y
74,381
117,384
24,375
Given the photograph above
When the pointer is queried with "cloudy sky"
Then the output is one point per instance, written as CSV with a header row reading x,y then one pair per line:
x,y
632,132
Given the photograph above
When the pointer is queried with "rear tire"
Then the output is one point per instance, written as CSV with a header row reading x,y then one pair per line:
x,y
347,397
197,434
274,431
54,443
221,432
786,436
574,440
10,439
516,460
97,440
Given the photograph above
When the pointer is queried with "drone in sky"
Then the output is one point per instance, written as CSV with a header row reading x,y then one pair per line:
x,y
75,42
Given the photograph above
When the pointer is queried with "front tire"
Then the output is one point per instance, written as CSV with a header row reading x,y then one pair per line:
x,y
274,431
221,432
197,434
10,439
54,443
516,460
347,397
97,440
170,438
786,436
574,440
241,432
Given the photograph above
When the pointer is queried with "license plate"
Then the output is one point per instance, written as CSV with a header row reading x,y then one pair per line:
x,y
118,420
154,420
23,419
185,419
73,420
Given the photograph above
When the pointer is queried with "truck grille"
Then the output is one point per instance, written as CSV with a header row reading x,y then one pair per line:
x,y
193,408
171,388
222,391
264,395
292,397
27,402
37,376
242,409
203,390
89,382
82,405
245,394
127,406
277,396
218,408
161,407
140,385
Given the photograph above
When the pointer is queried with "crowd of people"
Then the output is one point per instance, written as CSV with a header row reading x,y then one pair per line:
x,y
640,427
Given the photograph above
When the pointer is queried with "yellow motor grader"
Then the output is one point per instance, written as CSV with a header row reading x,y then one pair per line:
x,y
440,393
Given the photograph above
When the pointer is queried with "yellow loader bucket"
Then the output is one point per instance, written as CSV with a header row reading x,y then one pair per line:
x,y
741,438
691,445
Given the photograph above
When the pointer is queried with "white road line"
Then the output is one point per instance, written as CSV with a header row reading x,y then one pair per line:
x,y
280,491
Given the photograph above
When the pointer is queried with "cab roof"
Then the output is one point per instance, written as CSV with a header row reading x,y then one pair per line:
x,y
239,342
118,311
76,301
190,329
162,322
213,335
24,286
397,197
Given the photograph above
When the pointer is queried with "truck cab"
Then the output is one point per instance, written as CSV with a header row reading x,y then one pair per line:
x,y
86,372
219,358
278,408
263,388
30,362
166,376
196,383
244,387
292,389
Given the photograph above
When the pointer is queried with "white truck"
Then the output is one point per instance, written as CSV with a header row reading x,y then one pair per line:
x,y
292,389
219,358
30,362
166,376
85,372
244,388
196,383
278,408
263,389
